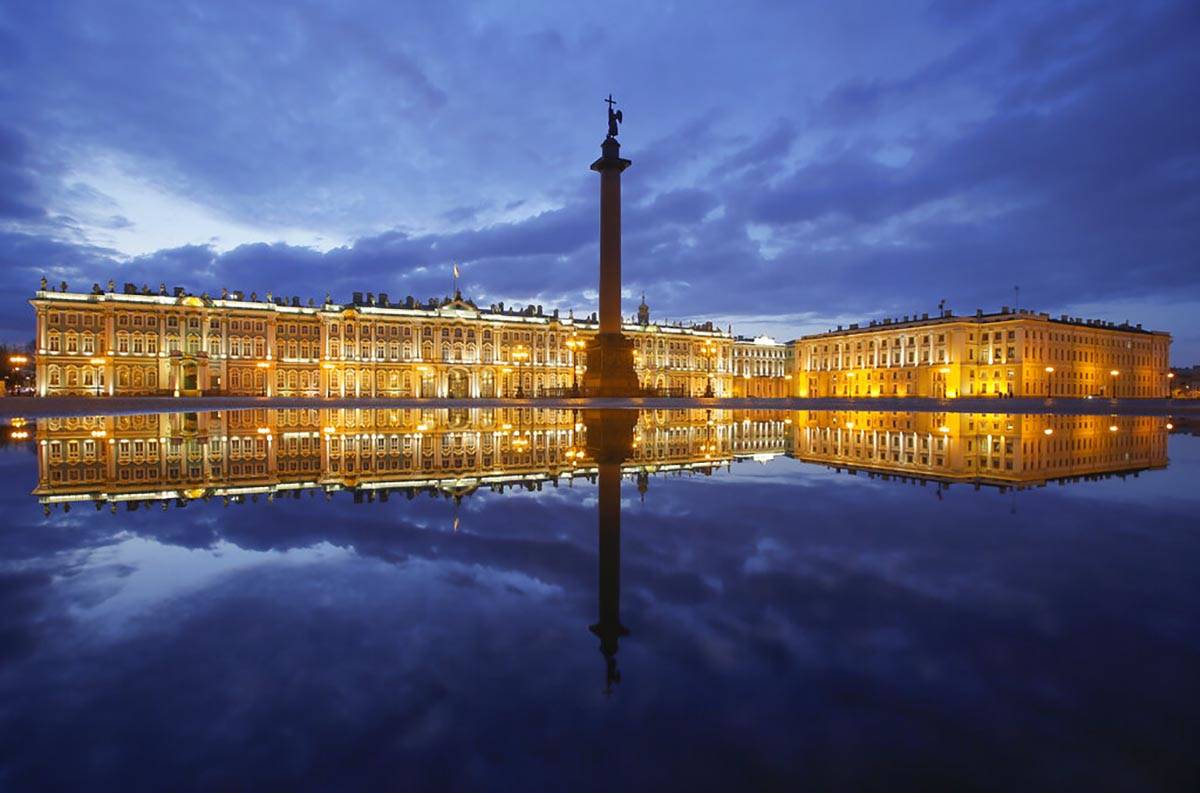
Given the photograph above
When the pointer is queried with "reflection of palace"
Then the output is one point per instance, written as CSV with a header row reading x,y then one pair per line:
x,y
111,342
986,448
232,454
235,455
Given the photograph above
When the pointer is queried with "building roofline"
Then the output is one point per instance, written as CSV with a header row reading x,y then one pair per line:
x,y
455,309
979,318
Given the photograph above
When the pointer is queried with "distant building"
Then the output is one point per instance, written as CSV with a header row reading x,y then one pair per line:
x,y
762,367
138,342
1185,382
1012,352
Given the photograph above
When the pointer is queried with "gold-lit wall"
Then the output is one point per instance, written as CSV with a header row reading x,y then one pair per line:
x,y
111,343
1010,353
762,368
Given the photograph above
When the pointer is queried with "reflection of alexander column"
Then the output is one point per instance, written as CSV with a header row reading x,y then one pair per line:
x,y
609,443
610,369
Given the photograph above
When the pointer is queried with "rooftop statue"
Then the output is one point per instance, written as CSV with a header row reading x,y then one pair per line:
x,y
614,117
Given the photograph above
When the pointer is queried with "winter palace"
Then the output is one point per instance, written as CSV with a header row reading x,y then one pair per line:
x,y
135,341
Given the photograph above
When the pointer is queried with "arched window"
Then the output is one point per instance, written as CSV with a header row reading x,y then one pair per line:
x,y
55,376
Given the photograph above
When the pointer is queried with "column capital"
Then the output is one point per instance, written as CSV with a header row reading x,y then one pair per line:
x,y
610,157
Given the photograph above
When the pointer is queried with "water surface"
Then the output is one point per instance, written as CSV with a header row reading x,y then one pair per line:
x,y
523,599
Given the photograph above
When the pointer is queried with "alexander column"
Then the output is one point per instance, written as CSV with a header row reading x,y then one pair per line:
x,y
610,369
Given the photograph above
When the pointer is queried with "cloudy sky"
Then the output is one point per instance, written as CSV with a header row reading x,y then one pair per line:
x,y
796,165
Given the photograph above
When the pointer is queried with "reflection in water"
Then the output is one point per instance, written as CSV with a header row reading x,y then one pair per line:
x,y
982,448
831,645
232,455
610,443
145,460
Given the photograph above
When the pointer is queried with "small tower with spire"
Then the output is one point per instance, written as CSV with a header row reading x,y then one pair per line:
x,y
643,312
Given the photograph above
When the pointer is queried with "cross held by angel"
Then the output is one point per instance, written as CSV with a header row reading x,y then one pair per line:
x,y
615,117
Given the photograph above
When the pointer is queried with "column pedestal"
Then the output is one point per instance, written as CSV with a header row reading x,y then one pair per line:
x,y
610,371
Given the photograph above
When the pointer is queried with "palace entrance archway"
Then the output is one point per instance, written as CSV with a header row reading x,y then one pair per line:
x,y
458,385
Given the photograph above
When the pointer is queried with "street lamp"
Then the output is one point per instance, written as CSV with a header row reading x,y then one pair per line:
x,y
16,363
1049,381
574,343
266,375
709,350
1114,374
519,354
98,363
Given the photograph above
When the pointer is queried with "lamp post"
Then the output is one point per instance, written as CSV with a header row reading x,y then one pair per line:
x,y
265,365
1170,391
574,343
1113,375
16,365
709,350
1049,382
99,364
519,354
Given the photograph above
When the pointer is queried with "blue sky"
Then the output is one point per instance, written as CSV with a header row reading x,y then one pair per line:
x,y
796,165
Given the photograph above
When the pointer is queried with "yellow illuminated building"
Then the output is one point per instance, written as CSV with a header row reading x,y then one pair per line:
x,y
136,342
1010,353
762,367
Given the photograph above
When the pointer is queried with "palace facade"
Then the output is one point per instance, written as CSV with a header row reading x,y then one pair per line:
x,y
762,367
134,342
1010,353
